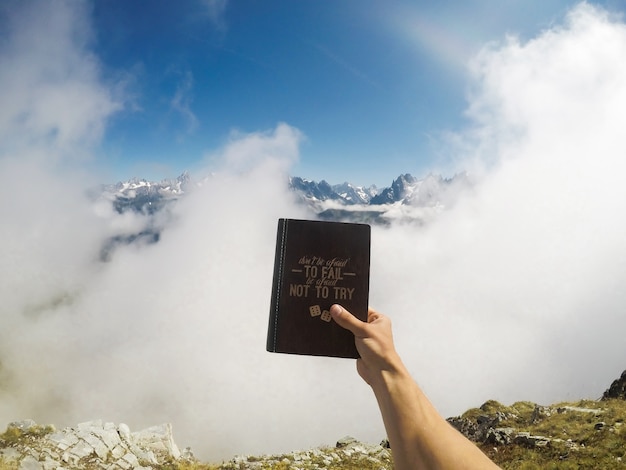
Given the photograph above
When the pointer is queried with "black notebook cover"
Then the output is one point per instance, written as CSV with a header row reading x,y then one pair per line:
x,y
317,264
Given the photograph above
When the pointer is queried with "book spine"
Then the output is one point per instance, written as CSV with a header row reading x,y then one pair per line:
x,y
277,284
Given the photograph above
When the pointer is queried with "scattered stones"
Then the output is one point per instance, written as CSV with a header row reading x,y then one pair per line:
x,y
578,409
348,450
540,413
527,440
93,444
106,446
499,436
484,429
345,442
479,428
22,426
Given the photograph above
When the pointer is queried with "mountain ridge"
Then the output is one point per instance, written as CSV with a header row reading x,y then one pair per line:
x,y
524,435
421,198
408,200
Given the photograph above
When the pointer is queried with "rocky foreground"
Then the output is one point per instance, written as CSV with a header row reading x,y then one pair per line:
x,y
586,434
94,444
97,445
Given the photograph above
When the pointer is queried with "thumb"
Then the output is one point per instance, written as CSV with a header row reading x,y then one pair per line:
x,y
348,321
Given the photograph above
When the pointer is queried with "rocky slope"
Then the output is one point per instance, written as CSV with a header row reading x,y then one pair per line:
x,y
28,446
586,434
419,197
97,445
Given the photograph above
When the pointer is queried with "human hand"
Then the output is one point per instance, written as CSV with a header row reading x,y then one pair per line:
x,y
419,436
374,342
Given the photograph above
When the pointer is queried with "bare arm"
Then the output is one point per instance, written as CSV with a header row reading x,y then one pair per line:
x,y
419,436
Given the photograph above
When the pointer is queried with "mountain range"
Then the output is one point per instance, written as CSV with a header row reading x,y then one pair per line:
x,y
407,200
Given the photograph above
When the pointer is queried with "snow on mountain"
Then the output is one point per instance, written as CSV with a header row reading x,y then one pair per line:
x,y
146,196
344,193
401,187
430,192
434,191
407,200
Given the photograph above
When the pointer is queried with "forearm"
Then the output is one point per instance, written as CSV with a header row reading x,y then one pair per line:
x,y
419,437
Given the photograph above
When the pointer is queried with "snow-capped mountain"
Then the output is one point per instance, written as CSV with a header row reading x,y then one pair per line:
x,y
346,193
146,196
406,189
407,200
408,197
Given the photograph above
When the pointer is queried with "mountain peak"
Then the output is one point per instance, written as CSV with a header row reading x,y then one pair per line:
x,y
343,201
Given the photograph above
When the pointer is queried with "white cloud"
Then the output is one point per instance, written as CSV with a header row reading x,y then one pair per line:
x,y
517,288
277,146
52,99
181,102
215,9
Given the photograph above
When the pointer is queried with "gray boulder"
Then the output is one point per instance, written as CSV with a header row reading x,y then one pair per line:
x,y
93,444
617,388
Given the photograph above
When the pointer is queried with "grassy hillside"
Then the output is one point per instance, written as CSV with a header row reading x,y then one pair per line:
x,y
583,435
579,435
525,436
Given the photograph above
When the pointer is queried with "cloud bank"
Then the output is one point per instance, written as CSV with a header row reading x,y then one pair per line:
x,y
53,99
516,293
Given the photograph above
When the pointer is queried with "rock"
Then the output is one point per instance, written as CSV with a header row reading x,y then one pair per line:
x,y
23,426
124,431
527,440
93,445
540,413
477,429
9,453
617,388
346,441
158,439
578,409
187,454
484,429
30,463
499,436
347,452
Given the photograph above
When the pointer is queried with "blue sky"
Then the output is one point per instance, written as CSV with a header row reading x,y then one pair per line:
x,y
373,86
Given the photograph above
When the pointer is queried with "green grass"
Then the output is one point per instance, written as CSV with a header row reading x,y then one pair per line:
x,y
329,458
576,442
587,448
13,436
